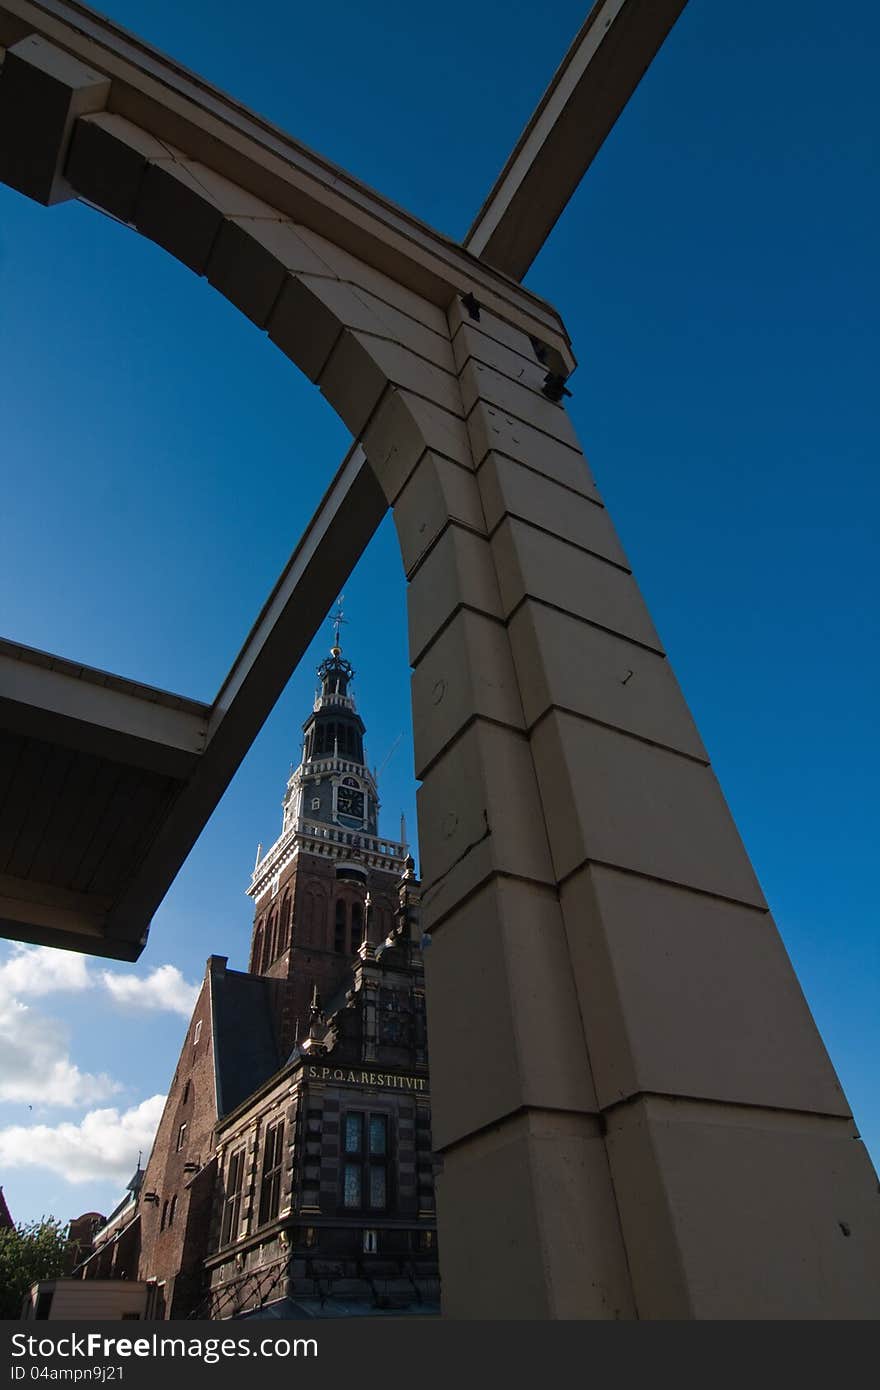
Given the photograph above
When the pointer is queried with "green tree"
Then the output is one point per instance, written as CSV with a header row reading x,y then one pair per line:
x,y
30,1251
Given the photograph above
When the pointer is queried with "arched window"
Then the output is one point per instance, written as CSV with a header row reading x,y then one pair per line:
x,y
257,955
357,926
271,940
284,924
339,936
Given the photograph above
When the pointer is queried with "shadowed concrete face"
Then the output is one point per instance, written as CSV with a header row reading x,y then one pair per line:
x,y
635,1113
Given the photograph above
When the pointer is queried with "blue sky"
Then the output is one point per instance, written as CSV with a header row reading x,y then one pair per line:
x,y
717,271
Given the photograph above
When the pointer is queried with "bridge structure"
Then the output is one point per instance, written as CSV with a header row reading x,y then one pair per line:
x,y
635,1113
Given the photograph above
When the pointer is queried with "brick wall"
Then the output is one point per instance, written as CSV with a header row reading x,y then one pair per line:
x,y
170,1246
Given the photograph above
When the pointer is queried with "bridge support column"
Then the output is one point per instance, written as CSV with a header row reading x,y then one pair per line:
x,y
636,1114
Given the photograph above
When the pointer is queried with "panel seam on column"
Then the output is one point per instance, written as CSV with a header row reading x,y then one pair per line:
x,y
203,273
554,535
524,1110
590,622
476,326
264,326
461,731
403,388
487,403
436,453
404,347
432,544
538,473
358,288
589,862
316,379
617,729
678,1098
329,275
428,449
491,873
459,607
514,380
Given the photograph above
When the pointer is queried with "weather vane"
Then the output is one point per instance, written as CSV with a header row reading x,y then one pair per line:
x,y
337,619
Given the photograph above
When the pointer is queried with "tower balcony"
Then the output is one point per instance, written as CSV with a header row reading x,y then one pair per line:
x,y
316,837
320,767
368,844
334,701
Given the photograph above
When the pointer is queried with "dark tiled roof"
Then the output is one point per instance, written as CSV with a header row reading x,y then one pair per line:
x,y
137,1180
5,1217
128,1200
245,1047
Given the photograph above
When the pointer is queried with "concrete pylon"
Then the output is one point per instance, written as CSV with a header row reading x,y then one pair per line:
x,y
635,1113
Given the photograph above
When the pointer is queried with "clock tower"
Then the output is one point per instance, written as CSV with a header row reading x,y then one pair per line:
x,y
332,783
330,881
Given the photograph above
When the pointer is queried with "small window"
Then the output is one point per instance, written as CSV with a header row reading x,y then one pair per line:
x,y
186,1093
316,803
164,1221
181,1137
270,1189
371,1242
365,1174
232,1202
198,1033
311,1237
172,1209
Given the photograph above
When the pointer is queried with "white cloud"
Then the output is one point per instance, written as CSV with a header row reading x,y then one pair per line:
x,y
104,1144
164,988
32,971
35,1065
38,970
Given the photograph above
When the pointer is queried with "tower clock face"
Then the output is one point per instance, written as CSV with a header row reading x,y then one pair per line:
x,y
350,803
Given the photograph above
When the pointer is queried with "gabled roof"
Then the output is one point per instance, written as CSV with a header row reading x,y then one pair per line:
x,y
245,1046
6,1221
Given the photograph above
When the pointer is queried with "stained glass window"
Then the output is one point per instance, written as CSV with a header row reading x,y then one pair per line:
x,y
352,1184
377,1185
378,1134
353,1132
365,1174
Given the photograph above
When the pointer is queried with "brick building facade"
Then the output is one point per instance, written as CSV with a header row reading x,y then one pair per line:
x,y
292,1166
